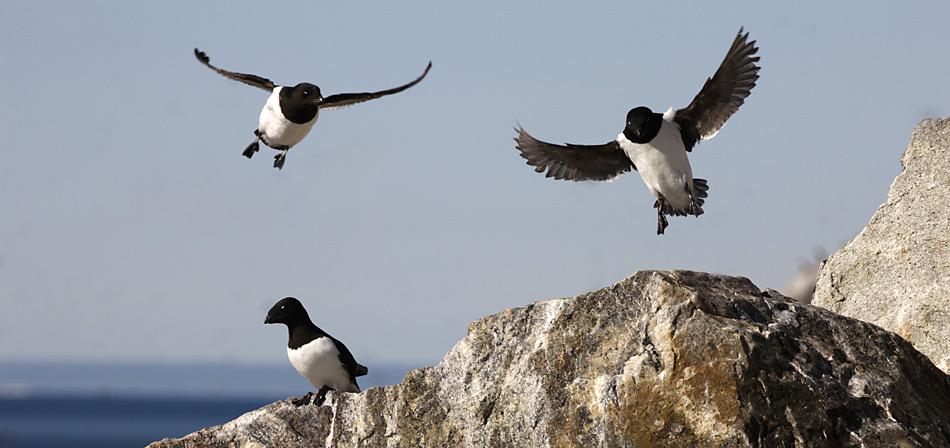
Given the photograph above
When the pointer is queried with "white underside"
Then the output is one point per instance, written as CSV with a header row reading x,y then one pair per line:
x,y
663,165
277,130
319,362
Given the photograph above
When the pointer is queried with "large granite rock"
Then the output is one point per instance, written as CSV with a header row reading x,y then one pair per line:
x,y
896,272
659,359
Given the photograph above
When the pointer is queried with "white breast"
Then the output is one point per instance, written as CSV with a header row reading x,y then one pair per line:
x,y
279,131
319,362
663,164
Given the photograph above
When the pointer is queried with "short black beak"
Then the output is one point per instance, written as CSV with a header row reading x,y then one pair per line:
x,y
269,319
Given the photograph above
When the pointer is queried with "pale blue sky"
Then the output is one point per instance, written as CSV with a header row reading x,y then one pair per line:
x,y
132,229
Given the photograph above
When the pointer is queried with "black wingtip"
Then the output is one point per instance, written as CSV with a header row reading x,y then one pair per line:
x,y
520,138
201,56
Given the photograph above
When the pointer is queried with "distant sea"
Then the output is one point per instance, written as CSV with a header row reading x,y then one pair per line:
x,y
128,405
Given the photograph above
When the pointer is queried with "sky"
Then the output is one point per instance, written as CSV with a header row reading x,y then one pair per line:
x,y
132,229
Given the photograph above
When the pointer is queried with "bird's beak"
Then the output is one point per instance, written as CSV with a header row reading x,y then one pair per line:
x,y
269,319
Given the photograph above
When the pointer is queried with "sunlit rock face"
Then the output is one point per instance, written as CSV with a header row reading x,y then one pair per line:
x,y
663,358
896,272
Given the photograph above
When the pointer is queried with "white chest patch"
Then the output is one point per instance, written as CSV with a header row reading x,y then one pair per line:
x,y
319,362
663,164
279,131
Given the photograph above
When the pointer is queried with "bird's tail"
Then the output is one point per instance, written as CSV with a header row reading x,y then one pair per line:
x,y
699,194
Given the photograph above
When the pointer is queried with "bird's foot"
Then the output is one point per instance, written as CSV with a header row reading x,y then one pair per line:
x,y
280,157
302,401
321,396
661,222
251,149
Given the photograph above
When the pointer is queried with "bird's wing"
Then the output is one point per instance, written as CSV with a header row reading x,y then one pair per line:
x,y
574,162
349,99
251,80
722,94
352,367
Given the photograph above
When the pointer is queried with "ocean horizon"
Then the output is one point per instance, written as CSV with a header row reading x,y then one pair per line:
x,y
52,404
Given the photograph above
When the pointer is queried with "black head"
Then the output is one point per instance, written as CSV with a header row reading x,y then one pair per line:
x,y
300,102
288,311
642,124
306,92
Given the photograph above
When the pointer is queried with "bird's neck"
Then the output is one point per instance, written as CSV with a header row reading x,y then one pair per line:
x,y
302,332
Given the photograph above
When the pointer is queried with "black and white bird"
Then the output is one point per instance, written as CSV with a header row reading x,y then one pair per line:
x,y
320,358
656,144
290,112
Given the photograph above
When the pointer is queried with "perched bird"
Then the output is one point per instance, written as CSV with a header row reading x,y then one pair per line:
x,y
317,356
290,112
656,144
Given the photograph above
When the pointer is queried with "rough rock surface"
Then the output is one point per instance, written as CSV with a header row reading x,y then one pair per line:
x,y
896,272
660,359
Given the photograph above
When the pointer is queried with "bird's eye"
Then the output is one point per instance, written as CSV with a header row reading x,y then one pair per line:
x,y
283,306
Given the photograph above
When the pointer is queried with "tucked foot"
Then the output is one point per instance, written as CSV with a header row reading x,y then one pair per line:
x,y
321,396
301,401
251,149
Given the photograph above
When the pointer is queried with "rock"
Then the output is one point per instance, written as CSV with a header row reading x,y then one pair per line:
x,y
896,272
660,359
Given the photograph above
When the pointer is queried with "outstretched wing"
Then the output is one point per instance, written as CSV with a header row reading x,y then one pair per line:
x,y
574,162
349,99
251,80
722,94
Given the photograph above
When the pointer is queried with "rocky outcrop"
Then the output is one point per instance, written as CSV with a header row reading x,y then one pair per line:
x,y
659,359
896,272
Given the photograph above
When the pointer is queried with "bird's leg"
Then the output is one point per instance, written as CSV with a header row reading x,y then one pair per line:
x,y
254,146
304,400
321,396
281,156
661,222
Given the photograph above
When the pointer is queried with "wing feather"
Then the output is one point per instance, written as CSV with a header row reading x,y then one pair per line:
x,y
722,94
349,99
251,80
573,162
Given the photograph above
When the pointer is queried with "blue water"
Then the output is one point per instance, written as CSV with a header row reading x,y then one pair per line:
x,y
49,421
103,404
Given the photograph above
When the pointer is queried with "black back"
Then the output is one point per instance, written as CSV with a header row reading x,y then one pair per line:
x,y
300,103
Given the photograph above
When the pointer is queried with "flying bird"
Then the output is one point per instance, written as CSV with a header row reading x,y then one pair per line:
x,y
320,358
656,145
290,112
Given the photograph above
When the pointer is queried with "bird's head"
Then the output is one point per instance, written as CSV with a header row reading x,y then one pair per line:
x,y
306,92
641,125
288,311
